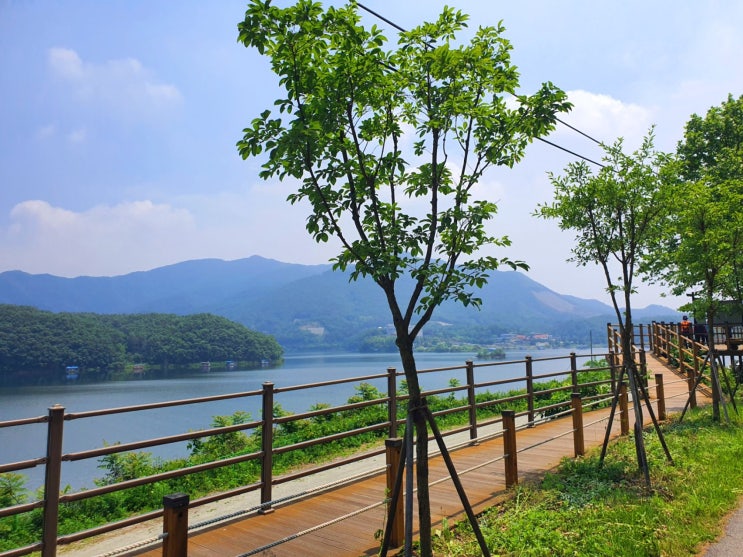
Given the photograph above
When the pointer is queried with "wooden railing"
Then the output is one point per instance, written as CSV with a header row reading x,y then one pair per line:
x,y
531,394
690,355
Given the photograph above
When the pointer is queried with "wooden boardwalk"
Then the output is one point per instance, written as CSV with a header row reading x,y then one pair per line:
x,y
298,525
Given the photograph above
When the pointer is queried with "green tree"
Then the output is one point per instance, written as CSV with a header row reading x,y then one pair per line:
x,y
387,146
702,248
617,215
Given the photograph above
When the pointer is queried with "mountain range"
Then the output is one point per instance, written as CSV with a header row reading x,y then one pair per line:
x,y
312,306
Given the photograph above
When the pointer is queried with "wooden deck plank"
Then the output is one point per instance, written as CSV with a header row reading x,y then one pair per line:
x,y
354,536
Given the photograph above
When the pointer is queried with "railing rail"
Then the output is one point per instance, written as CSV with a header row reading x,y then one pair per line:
x,y
532,392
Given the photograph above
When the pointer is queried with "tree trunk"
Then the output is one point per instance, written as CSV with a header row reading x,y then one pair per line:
x,y
405,347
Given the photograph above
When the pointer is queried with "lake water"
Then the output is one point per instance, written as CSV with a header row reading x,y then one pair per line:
x,y
27,442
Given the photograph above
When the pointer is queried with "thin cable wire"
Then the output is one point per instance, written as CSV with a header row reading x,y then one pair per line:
x,y
580,132
556,146
403,30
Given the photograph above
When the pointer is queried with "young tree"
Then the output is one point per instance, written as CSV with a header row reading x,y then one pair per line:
x,y
617,215
389,144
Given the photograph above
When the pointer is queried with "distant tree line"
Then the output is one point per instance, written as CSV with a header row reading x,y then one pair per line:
x,y
40,344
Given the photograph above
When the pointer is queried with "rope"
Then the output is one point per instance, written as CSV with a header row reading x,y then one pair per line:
x,y
314,529
467,471
280,500
568,432
133,546
236,514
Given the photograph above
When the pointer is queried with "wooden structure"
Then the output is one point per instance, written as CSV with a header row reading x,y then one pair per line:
x,y
291,506
343,520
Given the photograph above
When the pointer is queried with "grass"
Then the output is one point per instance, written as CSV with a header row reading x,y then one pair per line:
x,y
582,509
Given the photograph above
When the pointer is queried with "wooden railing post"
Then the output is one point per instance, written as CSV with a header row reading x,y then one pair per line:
x,y
471,401
394,448
613,371
52,479
660,393
509,447
678,337
623,409
530,391
392,404
574,371
663,339
578,442
692,378
175,525
267,449
644,368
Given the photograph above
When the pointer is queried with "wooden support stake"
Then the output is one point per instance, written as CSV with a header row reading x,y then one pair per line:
x,y
175,525
509,448
578,442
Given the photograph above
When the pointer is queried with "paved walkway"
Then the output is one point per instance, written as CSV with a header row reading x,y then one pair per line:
x,y
539,449
731,543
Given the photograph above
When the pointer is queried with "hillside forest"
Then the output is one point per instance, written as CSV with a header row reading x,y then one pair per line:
x,y
37,346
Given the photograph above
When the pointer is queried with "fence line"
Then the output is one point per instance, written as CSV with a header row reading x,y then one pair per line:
x,y
533,394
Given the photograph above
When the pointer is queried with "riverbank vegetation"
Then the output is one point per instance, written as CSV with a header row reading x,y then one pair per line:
x,y
36,345
583,509
86,513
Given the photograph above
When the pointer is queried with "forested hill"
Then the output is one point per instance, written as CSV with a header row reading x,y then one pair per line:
x,y
313,307
38,345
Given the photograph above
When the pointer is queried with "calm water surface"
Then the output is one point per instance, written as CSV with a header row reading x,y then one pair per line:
x,y
26,442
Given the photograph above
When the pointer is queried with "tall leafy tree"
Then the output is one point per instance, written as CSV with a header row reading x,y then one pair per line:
x,y
388,145
702,248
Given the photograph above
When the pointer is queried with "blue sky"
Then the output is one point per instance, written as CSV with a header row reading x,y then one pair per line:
x,y
119,121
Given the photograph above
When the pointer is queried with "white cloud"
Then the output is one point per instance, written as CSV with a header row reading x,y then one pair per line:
x,y
66,63
77,136
46,132
606,118
139,235
123,85
121,238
